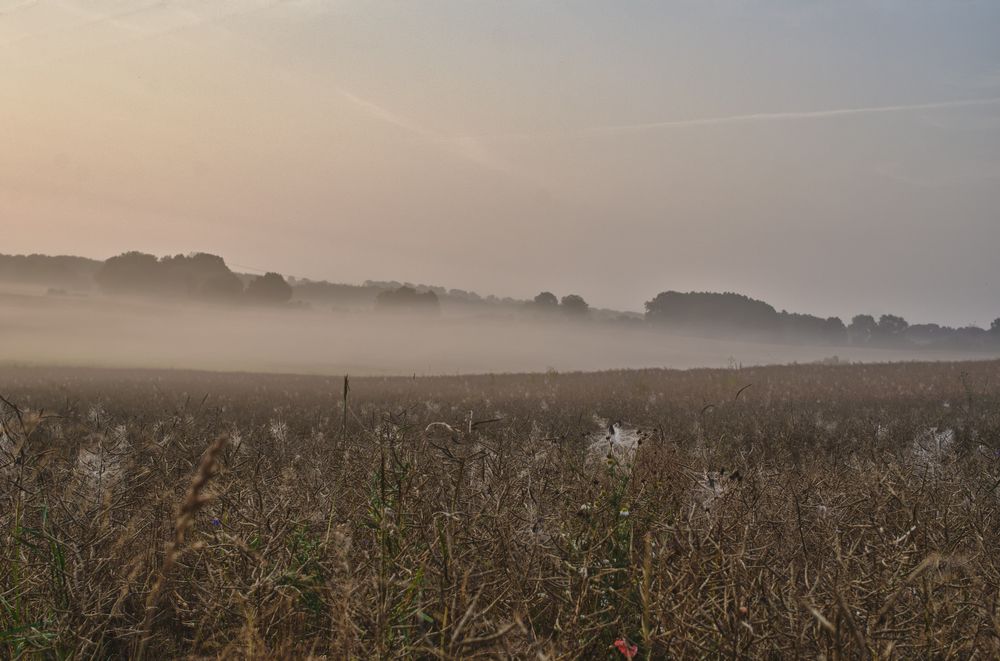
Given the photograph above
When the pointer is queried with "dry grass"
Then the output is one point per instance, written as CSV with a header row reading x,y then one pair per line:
x,y
204,515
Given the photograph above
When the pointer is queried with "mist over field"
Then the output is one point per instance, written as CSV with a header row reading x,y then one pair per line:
x,y
98,331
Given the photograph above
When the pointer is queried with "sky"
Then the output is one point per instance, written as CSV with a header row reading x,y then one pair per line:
x,y
829,157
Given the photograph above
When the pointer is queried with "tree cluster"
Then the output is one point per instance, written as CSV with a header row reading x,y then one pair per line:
x,y
52,271
709,313
408,299
572,304
735,315
198,276
894,331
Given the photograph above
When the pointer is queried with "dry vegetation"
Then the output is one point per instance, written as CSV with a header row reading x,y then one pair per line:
x,y
193,514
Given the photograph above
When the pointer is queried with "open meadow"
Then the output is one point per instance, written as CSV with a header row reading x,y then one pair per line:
x,y
844,511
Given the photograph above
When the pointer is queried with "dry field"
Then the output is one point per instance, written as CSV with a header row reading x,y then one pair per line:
x,y
778,512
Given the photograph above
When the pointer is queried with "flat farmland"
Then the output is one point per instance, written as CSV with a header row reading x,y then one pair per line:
x,y
789,511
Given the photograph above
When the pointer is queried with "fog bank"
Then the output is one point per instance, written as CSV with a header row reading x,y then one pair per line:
x,y
105,332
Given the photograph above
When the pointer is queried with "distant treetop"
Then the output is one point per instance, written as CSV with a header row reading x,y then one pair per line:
x,y
711,309
408,299
546,300
575,305
269,289
198,275
60,271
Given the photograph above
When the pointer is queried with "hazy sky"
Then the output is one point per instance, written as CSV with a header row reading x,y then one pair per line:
x,y
829,157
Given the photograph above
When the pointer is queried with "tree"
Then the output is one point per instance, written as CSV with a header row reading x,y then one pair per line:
x,y
890,324
995,326
269,289
834,330
188,275
60,271
222,287
862,329
196,275
131,273
465,295
795,327
408,299
575,305
927,334
546,300
713,313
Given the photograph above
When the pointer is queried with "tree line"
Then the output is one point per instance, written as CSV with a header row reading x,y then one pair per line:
x,y
730,314
61,271
197,276
206,277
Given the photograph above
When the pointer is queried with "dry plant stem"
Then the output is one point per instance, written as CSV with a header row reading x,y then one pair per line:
x,y
858,515
193,501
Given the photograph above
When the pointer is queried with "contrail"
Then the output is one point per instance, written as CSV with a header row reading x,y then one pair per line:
x,y
783,116
386,115
466,147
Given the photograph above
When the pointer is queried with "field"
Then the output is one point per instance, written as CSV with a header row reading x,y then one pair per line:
x,y
843,511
